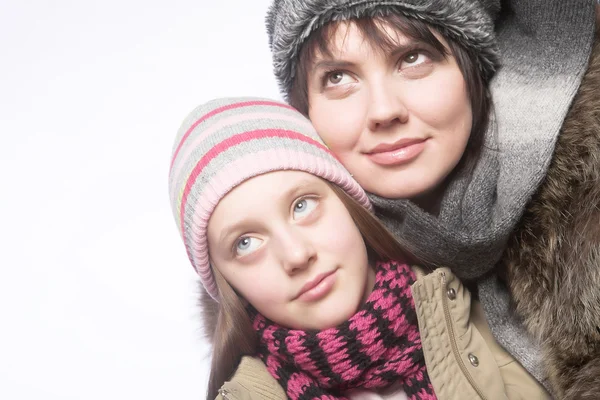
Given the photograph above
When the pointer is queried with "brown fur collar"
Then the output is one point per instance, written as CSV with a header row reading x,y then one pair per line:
x,y
553,259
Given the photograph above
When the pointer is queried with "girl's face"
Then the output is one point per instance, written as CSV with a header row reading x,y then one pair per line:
x,y
287,244
399,121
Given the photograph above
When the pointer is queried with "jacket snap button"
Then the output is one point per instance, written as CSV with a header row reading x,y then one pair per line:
x,y
451,294
474,360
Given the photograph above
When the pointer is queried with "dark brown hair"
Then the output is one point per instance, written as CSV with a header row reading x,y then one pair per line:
x,y
373,30
227,324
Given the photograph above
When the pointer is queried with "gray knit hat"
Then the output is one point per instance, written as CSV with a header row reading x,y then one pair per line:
x,y
467,22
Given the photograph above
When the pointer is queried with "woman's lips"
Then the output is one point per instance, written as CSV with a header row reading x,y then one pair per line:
x,y
397,153
318,287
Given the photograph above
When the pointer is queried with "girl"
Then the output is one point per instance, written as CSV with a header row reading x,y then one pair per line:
x,y
306,294
398,91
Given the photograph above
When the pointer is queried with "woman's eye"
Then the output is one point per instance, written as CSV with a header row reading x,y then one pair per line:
x,y
247,245
336,78
413,59
304,207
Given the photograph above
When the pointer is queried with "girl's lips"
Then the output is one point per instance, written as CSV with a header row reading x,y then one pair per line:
x,y
397,155
318,288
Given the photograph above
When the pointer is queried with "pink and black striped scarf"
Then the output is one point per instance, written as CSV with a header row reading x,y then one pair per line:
x,y
378,346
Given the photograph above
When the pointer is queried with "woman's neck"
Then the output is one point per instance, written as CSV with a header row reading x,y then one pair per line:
x,y
431,201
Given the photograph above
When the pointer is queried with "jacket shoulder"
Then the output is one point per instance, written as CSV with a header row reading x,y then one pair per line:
x,y
251,381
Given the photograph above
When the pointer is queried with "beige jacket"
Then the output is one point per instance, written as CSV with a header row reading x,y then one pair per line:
x,y
463,359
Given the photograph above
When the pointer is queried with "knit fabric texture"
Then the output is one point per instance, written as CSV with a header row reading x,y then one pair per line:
x,y
544,50
225,142
378,346
290,23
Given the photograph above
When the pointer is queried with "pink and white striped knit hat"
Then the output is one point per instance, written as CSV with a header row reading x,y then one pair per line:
x,y
227,141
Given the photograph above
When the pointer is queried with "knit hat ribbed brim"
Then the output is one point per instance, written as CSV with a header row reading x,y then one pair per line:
x,y
228,141
468,22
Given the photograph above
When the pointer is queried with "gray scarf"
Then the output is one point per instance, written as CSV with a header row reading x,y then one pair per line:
x,y
545,46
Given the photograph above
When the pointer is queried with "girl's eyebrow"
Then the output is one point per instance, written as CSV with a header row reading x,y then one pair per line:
x,y
229,230
293,192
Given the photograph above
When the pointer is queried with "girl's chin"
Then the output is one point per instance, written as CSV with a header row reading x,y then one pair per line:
x,y
332,320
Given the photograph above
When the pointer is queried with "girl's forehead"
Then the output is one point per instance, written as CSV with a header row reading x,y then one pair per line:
x,y
271,187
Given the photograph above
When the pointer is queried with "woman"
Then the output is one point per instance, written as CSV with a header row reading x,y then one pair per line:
x,y
467,219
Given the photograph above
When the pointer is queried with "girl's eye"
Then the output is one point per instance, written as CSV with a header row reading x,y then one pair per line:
x,y
413,59
336,78
247,245
304,207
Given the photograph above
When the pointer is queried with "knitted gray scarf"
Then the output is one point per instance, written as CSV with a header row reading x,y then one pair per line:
x,y
544,47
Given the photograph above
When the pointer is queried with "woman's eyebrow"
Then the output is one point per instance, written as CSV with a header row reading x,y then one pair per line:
x,y
407,46
330,62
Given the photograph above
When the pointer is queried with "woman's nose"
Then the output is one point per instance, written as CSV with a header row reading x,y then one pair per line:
x,y
386,107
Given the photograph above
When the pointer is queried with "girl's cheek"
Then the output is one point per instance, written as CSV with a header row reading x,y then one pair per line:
x,y
267,288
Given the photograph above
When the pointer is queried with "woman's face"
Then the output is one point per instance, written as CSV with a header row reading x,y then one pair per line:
x,y
287,244
399,121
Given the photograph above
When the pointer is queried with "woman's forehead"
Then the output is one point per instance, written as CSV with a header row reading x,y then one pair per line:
x,y
370,34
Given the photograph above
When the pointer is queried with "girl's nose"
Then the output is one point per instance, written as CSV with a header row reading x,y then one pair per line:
x,y
296,251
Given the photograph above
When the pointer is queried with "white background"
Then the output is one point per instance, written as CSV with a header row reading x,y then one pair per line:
x,y
97,297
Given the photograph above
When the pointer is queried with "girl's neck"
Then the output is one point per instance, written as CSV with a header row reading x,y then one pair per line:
x,y
369,284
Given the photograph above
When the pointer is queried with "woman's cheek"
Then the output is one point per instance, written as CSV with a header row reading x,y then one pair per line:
x,y
455,100
338,125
